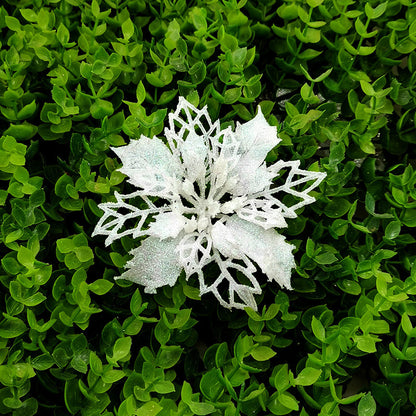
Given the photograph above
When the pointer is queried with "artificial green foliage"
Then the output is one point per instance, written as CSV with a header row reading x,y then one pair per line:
x,y
337,77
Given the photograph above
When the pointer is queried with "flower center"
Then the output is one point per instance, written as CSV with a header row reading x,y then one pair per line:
x,y
200,211
210,207
207,209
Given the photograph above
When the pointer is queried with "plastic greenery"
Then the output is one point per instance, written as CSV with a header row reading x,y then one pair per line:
x,y
222,205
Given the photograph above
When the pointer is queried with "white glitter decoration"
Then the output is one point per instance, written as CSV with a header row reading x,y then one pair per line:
x,y
216,202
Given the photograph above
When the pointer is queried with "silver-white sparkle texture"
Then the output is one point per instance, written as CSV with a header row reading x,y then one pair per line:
x,y
207,198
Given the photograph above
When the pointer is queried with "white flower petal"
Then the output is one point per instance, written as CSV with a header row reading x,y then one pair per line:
x,y
219,173
113,224
167,225
294,185
230,148
265,247
251,177
194,152
154,264
149,165
262,212
245,293
187,122
257,138
194,251
225,242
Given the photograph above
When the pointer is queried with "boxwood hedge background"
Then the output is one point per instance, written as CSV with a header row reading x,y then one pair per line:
x,y
338,79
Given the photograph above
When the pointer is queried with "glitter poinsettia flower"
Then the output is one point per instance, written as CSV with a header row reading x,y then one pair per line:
x,y
207,199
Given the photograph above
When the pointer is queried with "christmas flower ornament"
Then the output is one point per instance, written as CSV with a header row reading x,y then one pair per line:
x,y
207,199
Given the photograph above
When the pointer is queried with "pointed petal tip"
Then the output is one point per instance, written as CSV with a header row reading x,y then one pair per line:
x,y
322,175
183,102
259,111
259,117
117,150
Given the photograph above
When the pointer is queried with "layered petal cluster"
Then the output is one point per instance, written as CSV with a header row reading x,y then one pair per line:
x,y
209,205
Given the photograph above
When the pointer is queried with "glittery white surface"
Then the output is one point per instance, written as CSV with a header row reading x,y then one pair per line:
x,y
217,202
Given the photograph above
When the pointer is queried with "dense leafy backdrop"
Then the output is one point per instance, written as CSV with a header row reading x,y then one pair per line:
x,y
338,78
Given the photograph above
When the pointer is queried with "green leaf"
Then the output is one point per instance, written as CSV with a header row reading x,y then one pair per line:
x,y
29,15
140,92
121,349
84,254
318,329
349,286
101,108
11,327
61,184
27,111
367,344
112,376
315,3
62,34
211,384
172,34
341,25
367,406
287,400
65,245
150,408
262,353
95,364
392,230
43,362
326,258
310,35
12,23
28,408
127,27
308,376
21,174
25,257
186,392
73,397
320,78
95,8
24,131
168,356
13,236
162,333
100,286
154,119
367,88
180,320
377,12
37,198
136,303
196,407
198,72
407,325
201,409
199,21
34,300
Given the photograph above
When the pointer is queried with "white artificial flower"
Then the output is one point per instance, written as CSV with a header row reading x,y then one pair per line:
x,y
207,197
